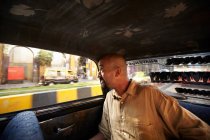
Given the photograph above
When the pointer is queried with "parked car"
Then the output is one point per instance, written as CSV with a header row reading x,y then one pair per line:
x,y
58,75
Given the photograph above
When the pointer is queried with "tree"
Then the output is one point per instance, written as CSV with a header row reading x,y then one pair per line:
x,y
82,64
82,61
44,58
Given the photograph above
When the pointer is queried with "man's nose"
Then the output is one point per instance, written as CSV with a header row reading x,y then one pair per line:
x,y
99,74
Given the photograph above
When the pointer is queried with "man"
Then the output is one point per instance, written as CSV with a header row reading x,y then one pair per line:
x,y
132,111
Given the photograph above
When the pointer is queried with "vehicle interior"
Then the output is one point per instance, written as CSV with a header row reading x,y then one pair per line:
x,y
168,33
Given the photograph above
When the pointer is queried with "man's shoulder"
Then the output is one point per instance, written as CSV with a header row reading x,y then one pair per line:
x,y
147,89
144,87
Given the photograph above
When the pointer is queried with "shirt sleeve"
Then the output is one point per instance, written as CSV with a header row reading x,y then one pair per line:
x,y
181,122
104,126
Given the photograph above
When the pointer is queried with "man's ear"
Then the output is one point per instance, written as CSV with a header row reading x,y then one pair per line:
x,y
117,72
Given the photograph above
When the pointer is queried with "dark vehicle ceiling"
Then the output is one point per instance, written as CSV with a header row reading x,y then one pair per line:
x,y
92,28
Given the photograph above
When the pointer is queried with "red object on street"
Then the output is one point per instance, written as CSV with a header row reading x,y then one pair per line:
x,y
15,73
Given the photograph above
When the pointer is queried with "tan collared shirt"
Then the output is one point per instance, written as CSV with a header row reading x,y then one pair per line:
x,y
144,113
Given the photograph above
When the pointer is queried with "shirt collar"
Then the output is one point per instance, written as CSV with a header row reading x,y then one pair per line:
x,y
130,91
131,88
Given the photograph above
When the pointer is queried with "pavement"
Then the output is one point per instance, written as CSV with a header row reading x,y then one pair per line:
x,y
32,84
18,85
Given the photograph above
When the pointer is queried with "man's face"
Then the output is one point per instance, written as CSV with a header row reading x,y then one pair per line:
x,y
106,73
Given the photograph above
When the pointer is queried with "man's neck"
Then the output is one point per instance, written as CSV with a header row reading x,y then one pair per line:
x,y
122,87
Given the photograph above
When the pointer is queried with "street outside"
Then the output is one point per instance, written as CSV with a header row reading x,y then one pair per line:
x,y
31,95
32,84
